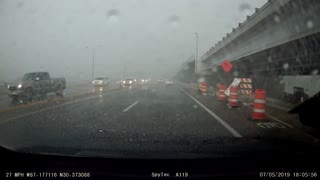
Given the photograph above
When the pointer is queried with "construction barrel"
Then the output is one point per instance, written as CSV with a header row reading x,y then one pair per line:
x,y
259,104
233,97
203,88
221,88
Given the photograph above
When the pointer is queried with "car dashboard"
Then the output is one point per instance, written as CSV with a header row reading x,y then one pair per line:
x,y
257,165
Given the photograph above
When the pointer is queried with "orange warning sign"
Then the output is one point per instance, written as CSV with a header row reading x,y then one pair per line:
x,y
226,65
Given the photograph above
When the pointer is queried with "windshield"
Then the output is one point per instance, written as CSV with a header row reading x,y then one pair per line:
x,y
29,76
119,77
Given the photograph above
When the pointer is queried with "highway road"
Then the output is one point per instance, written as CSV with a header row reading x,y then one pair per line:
x,y
127,118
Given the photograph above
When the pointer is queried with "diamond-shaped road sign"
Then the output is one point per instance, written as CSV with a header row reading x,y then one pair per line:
x,y
226,65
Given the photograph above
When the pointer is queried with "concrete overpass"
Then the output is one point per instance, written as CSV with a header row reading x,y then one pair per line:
x,y
280,38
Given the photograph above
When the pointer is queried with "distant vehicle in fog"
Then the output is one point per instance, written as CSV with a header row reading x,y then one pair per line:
x,y
143,81
128,82
36,83
169,82
101,81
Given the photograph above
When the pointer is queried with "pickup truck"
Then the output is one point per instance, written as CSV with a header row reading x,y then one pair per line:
x,y
34,84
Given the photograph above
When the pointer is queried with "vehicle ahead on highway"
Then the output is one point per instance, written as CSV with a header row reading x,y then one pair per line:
x,y
143,81
128,82
101,81
169,82
36,83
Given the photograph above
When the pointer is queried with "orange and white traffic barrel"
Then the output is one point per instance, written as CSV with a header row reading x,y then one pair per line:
x,y
221,95
259,104
233,97
204,88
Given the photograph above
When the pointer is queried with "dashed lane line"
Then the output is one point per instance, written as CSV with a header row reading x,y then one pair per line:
x,y
129,107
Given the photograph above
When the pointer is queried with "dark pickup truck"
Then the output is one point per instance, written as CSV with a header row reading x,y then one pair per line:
x,y
35,84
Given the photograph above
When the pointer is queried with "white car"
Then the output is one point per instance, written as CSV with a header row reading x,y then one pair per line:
x,y
169,82
100,81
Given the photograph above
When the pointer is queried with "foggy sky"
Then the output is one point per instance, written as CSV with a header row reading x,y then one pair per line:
x,y
152,37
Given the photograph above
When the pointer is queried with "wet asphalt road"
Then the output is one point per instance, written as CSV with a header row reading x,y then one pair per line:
x,y
122,118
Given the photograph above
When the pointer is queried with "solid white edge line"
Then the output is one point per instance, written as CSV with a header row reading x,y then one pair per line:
x,y
129,107
280,121
223,123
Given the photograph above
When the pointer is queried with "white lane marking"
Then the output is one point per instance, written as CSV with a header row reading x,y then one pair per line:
x,y
279,121
223,123
53,107
129,107
270,125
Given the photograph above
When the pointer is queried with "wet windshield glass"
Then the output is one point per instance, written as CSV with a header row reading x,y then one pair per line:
x,y
158,77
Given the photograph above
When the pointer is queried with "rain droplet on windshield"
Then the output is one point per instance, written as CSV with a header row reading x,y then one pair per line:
x,y
200,80
174,20
113,15
235,73
297,28
315,72
276,18
214,69
285,66
309,24
245,8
